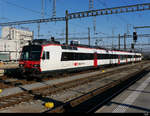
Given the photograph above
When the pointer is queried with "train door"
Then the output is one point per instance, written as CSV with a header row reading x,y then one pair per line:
x,y
95,59
45,60
111,58
126,58
118,59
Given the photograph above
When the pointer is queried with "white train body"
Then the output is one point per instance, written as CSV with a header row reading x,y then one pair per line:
x,y
55,57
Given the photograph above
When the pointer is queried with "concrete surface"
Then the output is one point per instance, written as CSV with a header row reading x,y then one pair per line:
x,y
135,99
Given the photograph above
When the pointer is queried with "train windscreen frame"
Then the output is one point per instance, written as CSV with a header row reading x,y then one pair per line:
x,y
31,53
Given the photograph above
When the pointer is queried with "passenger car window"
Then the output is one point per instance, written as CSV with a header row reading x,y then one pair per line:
x,y
45,55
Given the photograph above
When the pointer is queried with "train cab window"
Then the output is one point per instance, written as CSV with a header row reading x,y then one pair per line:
x,y
31,53
25,55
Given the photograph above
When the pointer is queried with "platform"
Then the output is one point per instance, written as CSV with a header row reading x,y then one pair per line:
x,y
135,99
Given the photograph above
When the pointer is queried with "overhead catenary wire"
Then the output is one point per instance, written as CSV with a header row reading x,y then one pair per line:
x,y
22,7
121,18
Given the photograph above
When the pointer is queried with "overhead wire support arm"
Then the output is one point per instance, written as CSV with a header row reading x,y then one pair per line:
x,y
33,21
138,27
107,11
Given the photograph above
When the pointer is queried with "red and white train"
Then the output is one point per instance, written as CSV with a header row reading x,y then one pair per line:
x,y
40,57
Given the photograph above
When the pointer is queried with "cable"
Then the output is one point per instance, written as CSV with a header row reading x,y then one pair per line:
x,y
3,12
103,3
16,5
121,18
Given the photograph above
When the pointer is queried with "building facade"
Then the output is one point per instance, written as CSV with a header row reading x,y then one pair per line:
x,y
12,41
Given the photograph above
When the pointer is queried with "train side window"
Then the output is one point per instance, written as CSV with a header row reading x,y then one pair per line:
x,y
64,57
47,55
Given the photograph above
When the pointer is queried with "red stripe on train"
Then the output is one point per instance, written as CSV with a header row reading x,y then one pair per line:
x,y
95,59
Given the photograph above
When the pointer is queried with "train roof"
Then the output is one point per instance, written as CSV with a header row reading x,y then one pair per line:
x,y
48,42
42,42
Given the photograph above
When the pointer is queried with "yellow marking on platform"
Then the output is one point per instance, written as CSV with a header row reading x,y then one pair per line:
x,y
49,104
0,90
103,71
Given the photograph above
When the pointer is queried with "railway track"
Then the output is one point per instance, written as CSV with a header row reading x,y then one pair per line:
x,y
17,80
21,80
41,92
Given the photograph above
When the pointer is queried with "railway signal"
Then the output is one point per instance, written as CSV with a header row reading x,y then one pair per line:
x,y
134,36
132,46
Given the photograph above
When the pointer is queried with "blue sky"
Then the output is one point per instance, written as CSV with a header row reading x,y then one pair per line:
x,y
17,10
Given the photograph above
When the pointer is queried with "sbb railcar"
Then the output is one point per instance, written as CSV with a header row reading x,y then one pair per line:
x,y
42,57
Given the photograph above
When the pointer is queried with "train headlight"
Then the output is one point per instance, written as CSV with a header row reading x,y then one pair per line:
x,y
36,65
21,65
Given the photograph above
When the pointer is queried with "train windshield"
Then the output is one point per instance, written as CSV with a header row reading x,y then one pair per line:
x,y
32,53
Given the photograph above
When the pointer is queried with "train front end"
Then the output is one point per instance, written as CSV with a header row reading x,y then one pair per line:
x,y
30,60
